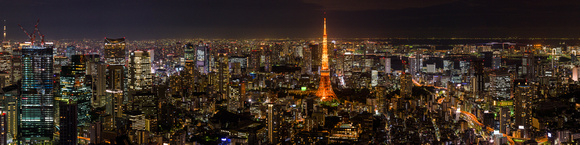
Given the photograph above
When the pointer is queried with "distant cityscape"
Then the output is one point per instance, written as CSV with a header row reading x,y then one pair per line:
x,y
289,91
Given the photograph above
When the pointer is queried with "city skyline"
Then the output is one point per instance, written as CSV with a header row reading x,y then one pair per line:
x,y
141,20
250,73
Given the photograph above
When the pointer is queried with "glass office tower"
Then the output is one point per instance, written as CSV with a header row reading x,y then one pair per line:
x,y
36,102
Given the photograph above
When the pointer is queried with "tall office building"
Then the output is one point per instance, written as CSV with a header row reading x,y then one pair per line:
x,y
238,65
306,60
528,64
413,65
266,57
316,52
100,85
406,82
500,84
74,86
522,106
223,74
140,77
387,65
3,128
504,118
151,55
189,50
68,122
202,57
115,90
274,123
255,60
115,50
37,111
5,60
10,107
5,64
406,85
478,82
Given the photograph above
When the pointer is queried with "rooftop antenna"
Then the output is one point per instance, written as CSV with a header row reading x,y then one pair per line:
x,y
4,38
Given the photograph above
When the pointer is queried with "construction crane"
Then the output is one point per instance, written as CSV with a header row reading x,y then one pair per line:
x,y
32,36
39,33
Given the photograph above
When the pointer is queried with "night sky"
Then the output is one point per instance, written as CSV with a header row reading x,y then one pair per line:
x,y
155,19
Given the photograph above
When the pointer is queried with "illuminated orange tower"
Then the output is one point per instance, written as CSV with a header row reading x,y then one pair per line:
x,y
324,88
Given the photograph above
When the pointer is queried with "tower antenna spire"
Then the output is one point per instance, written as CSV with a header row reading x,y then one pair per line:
x,y
325,88
4,38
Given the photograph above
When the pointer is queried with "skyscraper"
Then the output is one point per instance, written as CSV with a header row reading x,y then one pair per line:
x,y
3,128
528,64
254,62
223,73
478,83
306,60
324,88
140,78
100,84
406,82
202,54
68,122
412,65
11,96
189,50
37,111
271,123
115,51
115,89
74,87
387,65
522,106
316,52
274,123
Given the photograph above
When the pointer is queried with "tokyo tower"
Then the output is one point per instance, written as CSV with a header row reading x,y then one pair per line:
x,y
324,88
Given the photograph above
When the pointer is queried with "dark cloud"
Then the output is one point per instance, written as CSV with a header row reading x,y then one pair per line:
x,y
153,19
